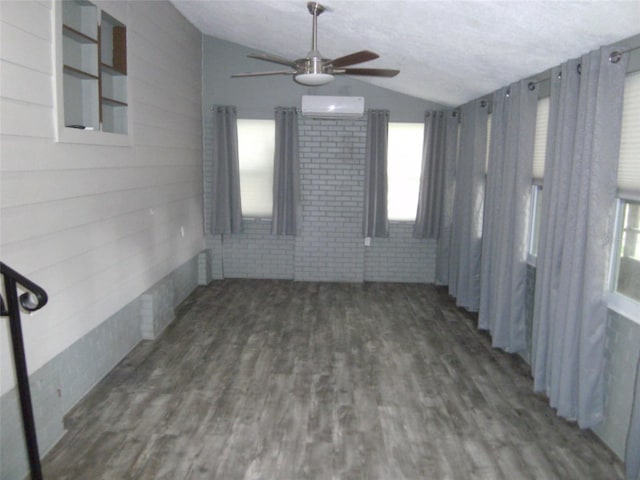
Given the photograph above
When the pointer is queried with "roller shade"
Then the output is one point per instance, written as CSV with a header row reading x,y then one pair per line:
x,y
540,140
629,163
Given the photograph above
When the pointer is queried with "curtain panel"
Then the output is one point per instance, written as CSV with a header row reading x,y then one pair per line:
x,y
448,193
286,173
375,222
466,229
578,213
432,177
226,211
505,223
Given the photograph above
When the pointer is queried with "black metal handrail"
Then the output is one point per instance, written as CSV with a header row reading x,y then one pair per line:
x,y
33,299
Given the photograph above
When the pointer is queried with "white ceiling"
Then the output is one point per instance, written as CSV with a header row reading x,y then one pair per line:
x,y
449,52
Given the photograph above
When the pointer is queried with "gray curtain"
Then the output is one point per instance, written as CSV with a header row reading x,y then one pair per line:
x,y
226,211
432,177
286,173
632,454
575,235
448,191
466,230
375,222
504,236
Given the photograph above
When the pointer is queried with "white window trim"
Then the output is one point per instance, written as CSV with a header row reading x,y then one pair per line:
x,y
625,306
621,304
535,187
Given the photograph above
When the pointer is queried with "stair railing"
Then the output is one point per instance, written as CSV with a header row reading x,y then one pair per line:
x,y
33,299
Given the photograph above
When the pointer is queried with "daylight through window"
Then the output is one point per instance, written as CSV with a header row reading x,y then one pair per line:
x,y
256,143
404,163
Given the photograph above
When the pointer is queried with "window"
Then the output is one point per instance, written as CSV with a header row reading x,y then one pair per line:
x,y
404,164
536,208
626,279
256,145
539,154
625,273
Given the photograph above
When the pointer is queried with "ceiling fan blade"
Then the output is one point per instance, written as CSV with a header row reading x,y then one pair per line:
x,y
272,59
262,74
371,72
353,58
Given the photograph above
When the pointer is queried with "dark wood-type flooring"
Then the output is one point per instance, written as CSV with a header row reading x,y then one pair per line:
x,y
286,380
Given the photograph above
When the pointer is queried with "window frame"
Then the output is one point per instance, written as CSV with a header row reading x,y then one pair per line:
x,y
619,302
535,212
627,192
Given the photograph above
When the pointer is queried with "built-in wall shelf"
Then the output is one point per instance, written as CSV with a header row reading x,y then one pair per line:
x,y
112,102
110,69
94,59
68,70
76,35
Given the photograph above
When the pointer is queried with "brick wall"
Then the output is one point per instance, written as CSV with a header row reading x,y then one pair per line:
x,y
400,258
255,253
329,245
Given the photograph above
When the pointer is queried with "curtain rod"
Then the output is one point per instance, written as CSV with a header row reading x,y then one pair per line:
x,y
615,57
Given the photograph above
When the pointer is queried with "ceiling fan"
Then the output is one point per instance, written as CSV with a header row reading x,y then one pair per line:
x,y
314,70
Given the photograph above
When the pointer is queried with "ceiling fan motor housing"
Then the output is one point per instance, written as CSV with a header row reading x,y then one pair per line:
x,y
313,63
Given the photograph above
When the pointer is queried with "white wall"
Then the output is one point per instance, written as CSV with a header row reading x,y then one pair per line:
x,y
96,225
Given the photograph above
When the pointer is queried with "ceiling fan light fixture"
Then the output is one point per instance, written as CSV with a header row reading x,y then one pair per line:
x,y
313,79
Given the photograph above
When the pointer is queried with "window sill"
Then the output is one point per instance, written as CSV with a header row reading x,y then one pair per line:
x,y
93,137
624,306
402,222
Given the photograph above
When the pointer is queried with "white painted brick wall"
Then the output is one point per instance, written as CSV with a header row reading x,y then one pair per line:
x,y
400,258
214,245
329,245
256,253
207,166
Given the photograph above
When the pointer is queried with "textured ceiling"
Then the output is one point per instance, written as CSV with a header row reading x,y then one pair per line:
x,y
447,51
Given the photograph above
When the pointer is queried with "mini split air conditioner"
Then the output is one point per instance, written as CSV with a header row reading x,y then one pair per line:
x,y
332,107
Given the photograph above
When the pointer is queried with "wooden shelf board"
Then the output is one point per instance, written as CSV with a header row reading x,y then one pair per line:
x,y
112,102
111,69
78,35
76,72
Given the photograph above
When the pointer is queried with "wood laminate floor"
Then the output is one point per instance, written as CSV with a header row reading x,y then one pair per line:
x,y
287,380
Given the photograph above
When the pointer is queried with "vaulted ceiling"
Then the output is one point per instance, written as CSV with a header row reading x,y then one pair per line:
x,y
447,51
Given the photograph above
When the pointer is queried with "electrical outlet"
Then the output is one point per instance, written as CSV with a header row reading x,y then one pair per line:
x,y
367,241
